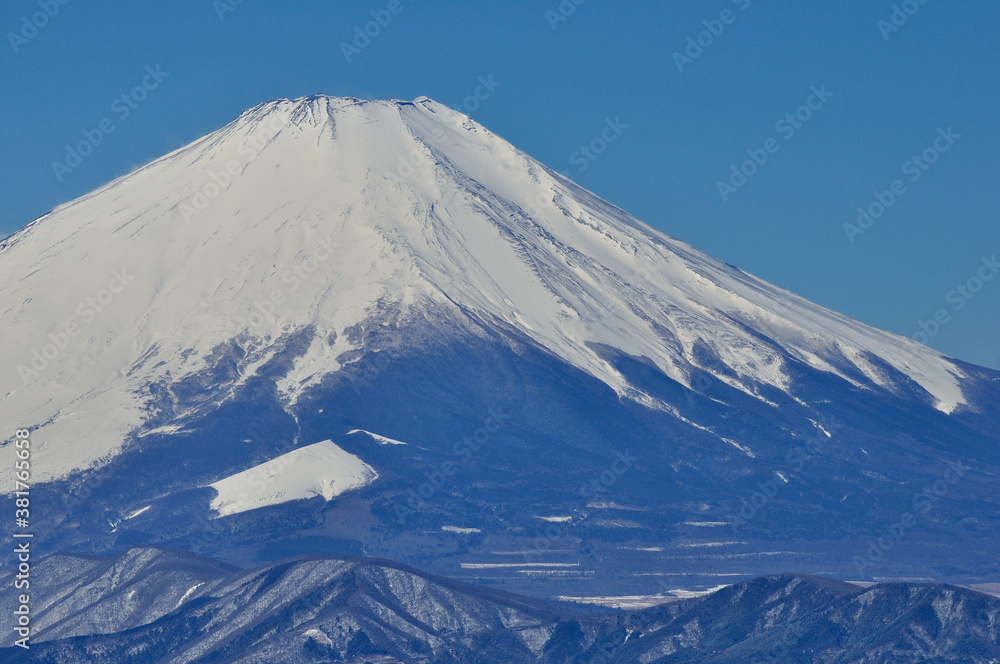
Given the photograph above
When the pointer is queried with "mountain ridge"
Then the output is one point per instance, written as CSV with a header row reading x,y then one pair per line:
x,y
350,609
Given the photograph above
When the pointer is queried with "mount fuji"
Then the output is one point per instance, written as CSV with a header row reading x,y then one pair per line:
x,y
354,327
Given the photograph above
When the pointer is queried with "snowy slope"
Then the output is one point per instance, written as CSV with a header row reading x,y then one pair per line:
x,y
322,469
329,212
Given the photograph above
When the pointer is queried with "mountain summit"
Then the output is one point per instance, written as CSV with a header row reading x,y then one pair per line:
x,y
326,266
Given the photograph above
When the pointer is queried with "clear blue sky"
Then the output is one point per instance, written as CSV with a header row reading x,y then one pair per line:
x,y
559,85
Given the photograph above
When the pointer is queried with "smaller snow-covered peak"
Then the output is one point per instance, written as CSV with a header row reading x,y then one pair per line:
x,y
322,469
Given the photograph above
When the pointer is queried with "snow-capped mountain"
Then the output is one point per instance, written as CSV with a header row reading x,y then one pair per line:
x,y
328,265
153,605
342,206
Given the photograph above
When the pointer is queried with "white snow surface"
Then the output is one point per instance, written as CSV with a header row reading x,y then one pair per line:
x,y
138,512
333,210
381,440
322,469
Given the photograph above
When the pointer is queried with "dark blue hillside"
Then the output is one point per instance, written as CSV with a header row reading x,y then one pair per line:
x,y
500,433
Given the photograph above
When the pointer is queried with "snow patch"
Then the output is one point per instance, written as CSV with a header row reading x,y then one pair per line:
x,y
623,602
188,593
137,512
381,440
322,469
319,636
516,565
689,594
460,531
706,524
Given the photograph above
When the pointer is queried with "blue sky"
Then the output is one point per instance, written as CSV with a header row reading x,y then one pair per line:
x,y
893,91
